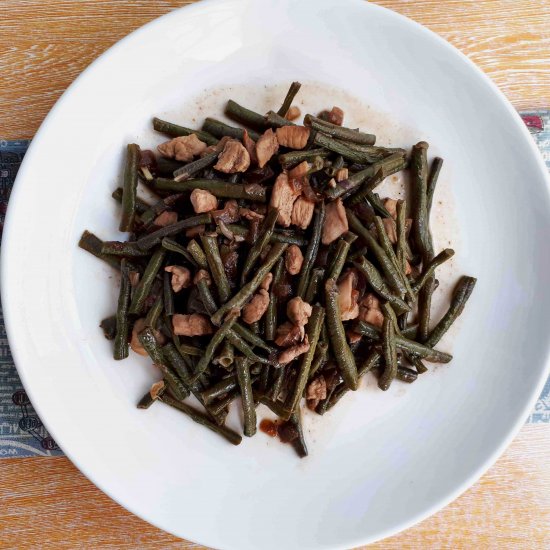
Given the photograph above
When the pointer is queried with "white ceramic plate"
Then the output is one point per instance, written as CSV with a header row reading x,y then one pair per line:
x,y
381,461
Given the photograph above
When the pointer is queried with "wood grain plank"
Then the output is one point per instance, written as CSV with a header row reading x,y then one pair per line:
x,y
47,503
44,46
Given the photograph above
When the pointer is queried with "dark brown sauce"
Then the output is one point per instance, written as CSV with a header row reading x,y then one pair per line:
x,y
269,427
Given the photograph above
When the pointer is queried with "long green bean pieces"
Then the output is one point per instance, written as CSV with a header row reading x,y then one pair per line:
x,y
244,292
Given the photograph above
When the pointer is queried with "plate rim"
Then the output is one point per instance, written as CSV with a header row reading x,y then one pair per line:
x,y
8,305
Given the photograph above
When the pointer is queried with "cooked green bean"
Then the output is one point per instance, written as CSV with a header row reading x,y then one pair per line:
x,y
315,282
203,420
377,205
92,244
126,248
221,189
252,338
192,168
433,176
213,345
274,120
177,362
154,313
242,367
419,186
226,356
220,130
151,346
219,389
206,296
422,350
212,252
141,291
389,351
120,349
319,359
461,295
276,388
240,344
429,272
417,363
387,247
246,292
129,188
194,248
271,313
282,236
152,239
366,187
313,330
401,231
340,132
289,98
322,140
173,246
299,443
376,281
266,231
395,278
342,351
217,407
141,205
175,131
157,389
406,375
312,250
176,386
287,160
339,259
245,116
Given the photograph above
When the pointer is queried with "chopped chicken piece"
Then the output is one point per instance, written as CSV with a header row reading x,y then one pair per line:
x,y
293,113
182,148
295,137
342,174
336,222
288,334
353,337
200,275
255,309
193,232
316,391
234,158
293,259
302,212
298,311
289,354
156,389
299,171
391,229
266,147
250,215
203,201
195,324
181,277
229,214
166,218
336,116
134,278
370,312
391,206
265,284
283,196
348,296
250,146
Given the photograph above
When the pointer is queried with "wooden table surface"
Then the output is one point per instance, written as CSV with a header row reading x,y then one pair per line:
x,y
44,45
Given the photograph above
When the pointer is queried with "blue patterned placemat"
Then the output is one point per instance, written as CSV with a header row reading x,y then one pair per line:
x,y
22,434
